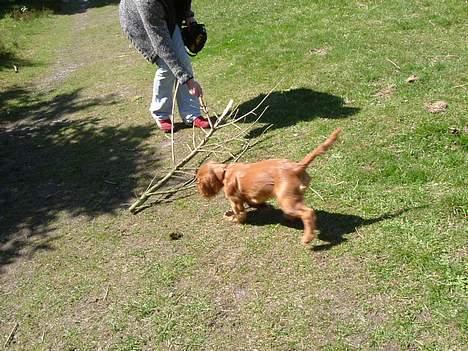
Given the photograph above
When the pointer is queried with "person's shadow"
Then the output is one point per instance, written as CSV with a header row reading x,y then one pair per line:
x,y
332,227
286,108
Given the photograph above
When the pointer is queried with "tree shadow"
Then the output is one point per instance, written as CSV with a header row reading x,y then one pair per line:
x,y
71,7
332,226
51,166
13,8
18,104
8,59
286,108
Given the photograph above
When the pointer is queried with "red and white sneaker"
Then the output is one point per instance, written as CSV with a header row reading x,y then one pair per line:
x,y
164,124
201,122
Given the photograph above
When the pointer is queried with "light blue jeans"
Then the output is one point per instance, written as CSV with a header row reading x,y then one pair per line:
x,y
164,83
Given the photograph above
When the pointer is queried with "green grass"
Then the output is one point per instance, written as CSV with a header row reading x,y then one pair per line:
x,y
78,271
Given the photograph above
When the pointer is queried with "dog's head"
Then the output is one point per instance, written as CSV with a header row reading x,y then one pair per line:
x,y
210,178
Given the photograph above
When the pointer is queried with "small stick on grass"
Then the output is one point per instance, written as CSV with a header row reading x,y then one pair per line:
x,y
394,64
358,233
11,336
172,121
316,193
460,86
106,294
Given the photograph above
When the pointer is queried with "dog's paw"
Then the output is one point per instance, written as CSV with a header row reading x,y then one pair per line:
x,y
307,238
230,216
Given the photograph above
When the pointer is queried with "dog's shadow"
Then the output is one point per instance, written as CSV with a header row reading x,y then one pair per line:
x,y
332,227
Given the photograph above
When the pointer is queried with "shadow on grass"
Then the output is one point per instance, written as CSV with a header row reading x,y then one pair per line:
x,y
52,167
37,8
71,7
286,108
8,59
332,226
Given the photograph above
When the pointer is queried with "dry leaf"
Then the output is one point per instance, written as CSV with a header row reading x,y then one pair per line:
x,y
319,51
412,78
436,107
458,131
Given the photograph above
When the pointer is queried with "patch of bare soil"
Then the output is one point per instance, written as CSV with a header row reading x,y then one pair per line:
x,y
386,92
436,107
255,293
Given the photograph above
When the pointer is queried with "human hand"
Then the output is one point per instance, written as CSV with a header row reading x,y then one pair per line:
x,y
194,88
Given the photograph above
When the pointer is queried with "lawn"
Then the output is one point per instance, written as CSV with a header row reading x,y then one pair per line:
x,y
388,271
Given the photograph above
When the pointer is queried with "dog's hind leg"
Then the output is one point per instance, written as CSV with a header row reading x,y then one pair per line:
x,y
308,218
306,214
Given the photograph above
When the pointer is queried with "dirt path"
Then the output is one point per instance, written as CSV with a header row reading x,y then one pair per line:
x,y
74,55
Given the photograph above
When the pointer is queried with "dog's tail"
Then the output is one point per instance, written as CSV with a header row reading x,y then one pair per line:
x,y
319,150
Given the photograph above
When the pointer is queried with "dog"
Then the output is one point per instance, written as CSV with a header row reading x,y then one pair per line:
x,y
254,183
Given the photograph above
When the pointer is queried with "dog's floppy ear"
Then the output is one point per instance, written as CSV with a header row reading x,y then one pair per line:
x,y
210,179
219,171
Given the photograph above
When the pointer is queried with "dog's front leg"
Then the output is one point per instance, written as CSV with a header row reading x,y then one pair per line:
x,y
238,213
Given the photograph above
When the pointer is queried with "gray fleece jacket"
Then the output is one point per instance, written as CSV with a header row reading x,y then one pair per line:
x,y
149,25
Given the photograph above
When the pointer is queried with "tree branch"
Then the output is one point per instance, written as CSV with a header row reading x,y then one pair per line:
x,y
205,144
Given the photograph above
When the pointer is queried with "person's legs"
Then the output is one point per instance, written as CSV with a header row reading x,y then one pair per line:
x,y
189,105
161,104
163,85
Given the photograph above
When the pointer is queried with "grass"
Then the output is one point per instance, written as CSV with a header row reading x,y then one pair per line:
x,y
78,271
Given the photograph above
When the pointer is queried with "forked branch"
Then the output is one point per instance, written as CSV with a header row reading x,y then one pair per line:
x,y
205,145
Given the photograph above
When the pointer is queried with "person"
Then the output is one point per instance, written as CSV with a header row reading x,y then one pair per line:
x,y
153,27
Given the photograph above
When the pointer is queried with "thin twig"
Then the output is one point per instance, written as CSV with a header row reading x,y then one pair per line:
x,y
184,186
106,294
358,233
460,86
393,63
172,191
12,334
247,129
203,106
185,172
194,143
316,193
205,110
172,120
238,119
249,145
